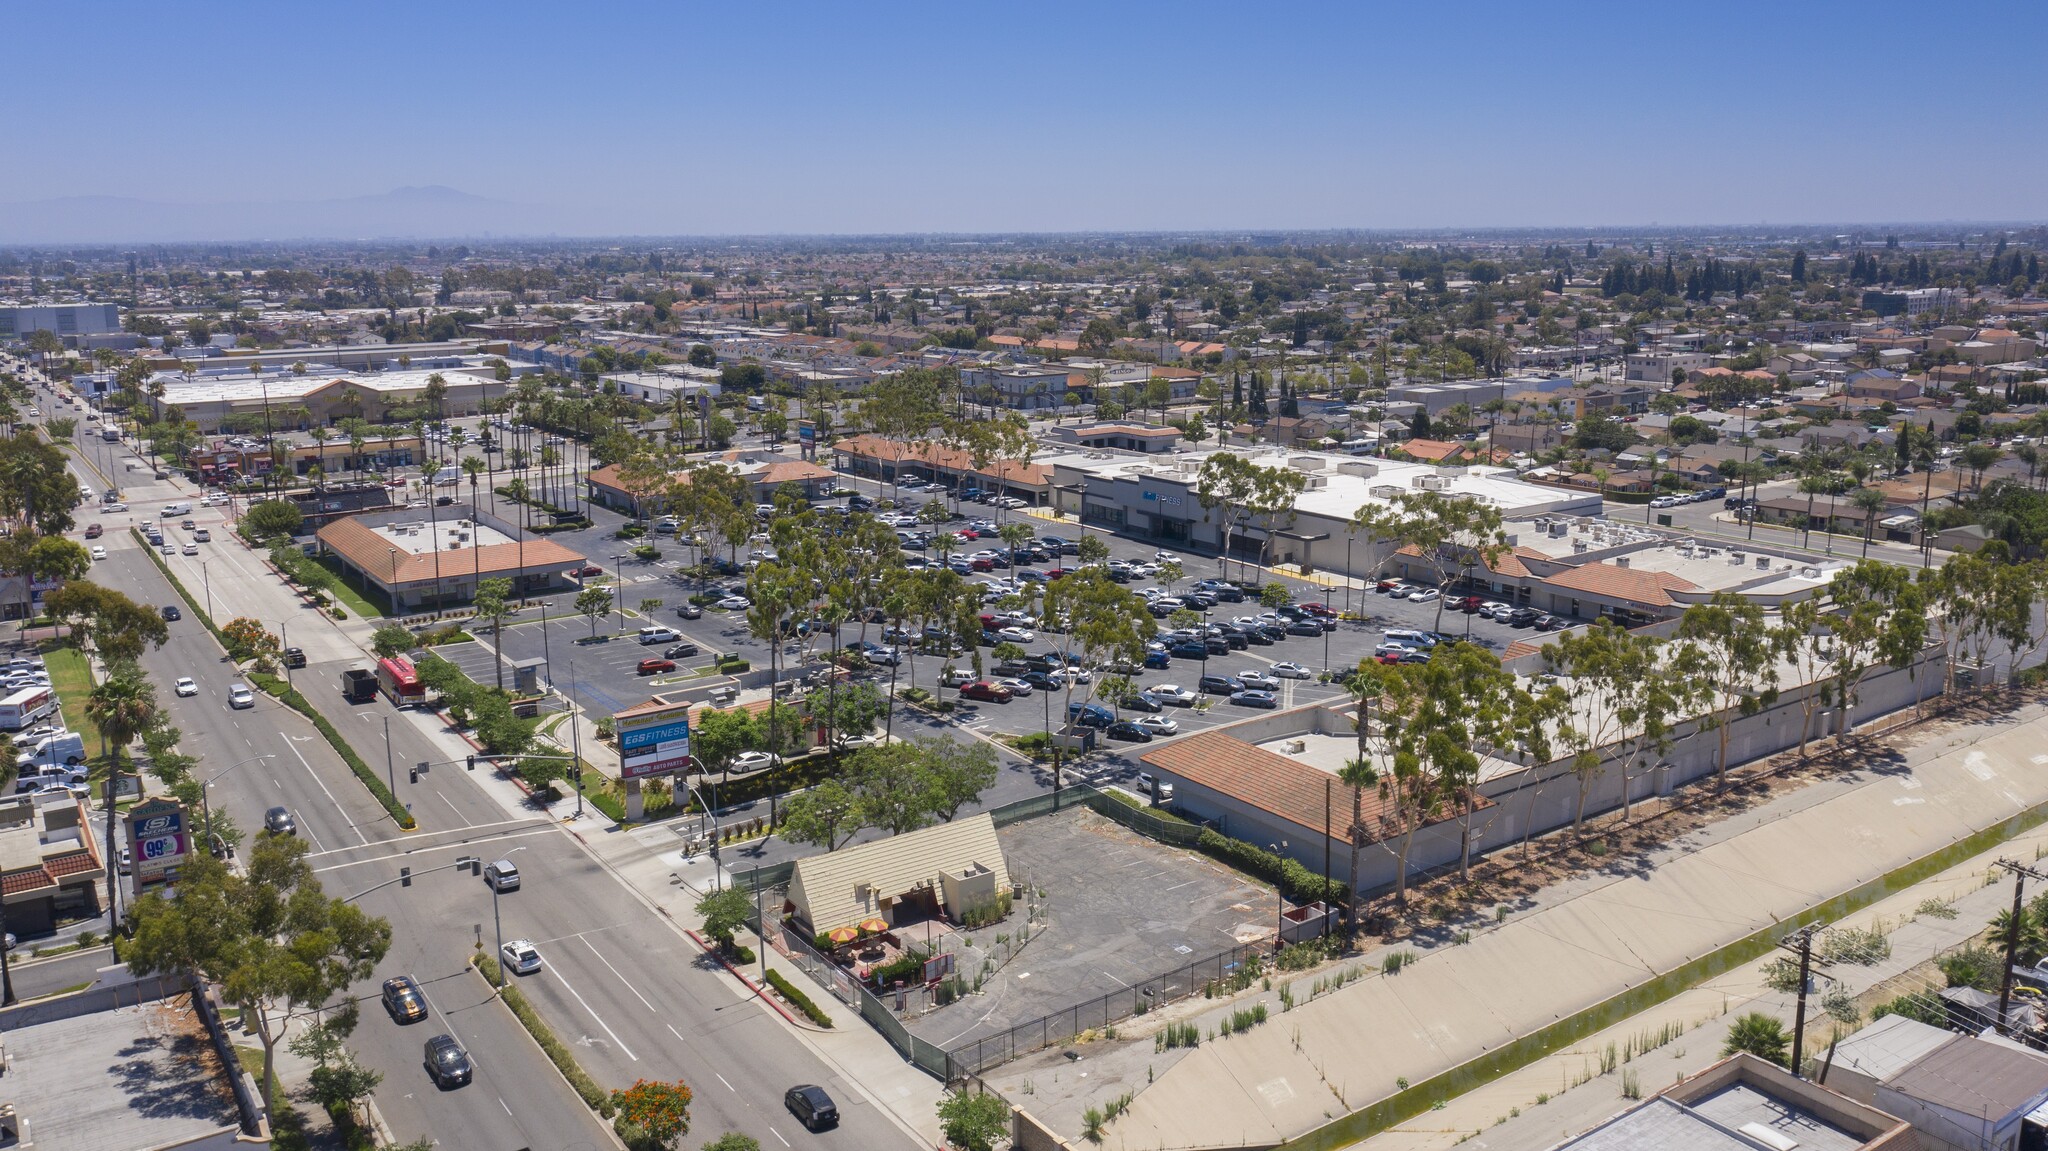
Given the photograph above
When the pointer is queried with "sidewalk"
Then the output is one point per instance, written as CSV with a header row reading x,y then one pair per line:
x,y
1581,943
672,884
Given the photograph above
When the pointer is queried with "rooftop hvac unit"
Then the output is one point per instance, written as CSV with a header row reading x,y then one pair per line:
x,y
1810,573
1359,468
1432,483
1763,563
1621,561
1558,529
1383,491
1578,545
1305,463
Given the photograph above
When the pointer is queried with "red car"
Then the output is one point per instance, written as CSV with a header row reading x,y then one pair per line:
x,y
982,564
1466,603
652,666
94,531
1056,573
986,691
1317,609
586,571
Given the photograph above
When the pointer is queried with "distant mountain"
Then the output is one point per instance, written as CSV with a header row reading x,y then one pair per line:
x,y
403,213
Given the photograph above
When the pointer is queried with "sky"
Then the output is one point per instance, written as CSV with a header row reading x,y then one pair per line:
x,y
681,118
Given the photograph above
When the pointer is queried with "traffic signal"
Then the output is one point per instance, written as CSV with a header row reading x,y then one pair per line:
x,y
414,773
472,763
405,877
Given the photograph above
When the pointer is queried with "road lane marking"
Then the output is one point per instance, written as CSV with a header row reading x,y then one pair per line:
x,y
309,828
406,853
571,989
615,971
425,835
501,1103
453,808
679,1035
323,788
774,1132
721,1078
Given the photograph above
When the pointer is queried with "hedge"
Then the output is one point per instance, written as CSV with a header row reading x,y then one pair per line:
x,y
594,1096
297,702
797,998
179,586
1297,882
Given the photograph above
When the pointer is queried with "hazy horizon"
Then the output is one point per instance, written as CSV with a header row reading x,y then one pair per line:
x,y
452,121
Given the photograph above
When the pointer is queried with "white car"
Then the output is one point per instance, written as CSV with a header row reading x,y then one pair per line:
x,y
1291,671
956,677
98,552
1017,634
188,549
1157,725
186,685
109,509
1171,693
1258,681
749,761
1495,610
521,956
735,603
1016,687
1425,595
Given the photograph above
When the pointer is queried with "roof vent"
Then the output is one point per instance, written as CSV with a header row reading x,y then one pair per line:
x,y
1621,561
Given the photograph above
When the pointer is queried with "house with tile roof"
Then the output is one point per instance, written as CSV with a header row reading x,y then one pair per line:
x,y
890,460
418,562
766,473
49,861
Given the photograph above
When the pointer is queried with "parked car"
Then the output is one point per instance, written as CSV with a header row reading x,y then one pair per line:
x,y
1160,791
1260,699
1424,595
1128,731
1219,685
658,634
750,761
586,571
1172,694
655,666
1157,725
986,692
1287,670
1258,680
1139,701
690,611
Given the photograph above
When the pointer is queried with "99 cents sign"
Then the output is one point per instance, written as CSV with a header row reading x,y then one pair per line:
x,y
157,840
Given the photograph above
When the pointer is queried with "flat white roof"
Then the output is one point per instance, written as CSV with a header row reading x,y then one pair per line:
x,y
420,536
285,387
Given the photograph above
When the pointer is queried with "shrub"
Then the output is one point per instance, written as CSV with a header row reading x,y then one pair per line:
x,y
1295,881
798,999
647,552
1916,1007
1973,966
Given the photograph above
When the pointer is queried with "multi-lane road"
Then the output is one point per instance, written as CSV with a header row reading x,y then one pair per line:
x,y
622,986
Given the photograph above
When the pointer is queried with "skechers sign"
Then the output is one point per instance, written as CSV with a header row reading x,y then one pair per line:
x,y
654,741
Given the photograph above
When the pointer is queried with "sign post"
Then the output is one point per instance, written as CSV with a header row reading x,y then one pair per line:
x,y
158,841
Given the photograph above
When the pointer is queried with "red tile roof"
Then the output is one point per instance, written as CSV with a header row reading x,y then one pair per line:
x,y
1632,584
1274,783
1430,450
360,545
47,874
883,449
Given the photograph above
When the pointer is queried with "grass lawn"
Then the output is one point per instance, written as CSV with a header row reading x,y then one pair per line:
x,y
71,675
350,597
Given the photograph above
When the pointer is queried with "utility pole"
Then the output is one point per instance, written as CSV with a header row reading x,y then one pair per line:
x,y
1800,943
2020,873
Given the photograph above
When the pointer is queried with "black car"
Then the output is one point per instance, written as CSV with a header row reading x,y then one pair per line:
x,y
294,657
1234,640
811,1106
1193,649
447,1062
1129,732
1199,600
678,651
1137,702
1305,627
1523,616
1219,684
171,612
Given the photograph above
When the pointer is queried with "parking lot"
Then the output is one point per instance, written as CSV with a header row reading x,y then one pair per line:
x,y
604,676
1122,909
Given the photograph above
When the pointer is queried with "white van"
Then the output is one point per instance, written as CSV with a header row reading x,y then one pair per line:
x,y
1408,637
659,635
177,509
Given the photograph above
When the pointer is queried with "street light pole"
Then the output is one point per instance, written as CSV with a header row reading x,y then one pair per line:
x,y
205,807
576,748
498,927
1279,899
390,774
208,581
284,633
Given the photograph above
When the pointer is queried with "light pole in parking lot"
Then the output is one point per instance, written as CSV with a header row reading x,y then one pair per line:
x,y
208,581
1327,629
1279,899
619,593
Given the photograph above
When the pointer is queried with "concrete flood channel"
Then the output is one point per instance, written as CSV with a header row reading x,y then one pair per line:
x,y
1421,1097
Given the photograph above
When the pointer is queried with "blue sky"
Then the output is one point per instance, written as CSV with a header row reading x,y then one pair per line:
x,y
879,117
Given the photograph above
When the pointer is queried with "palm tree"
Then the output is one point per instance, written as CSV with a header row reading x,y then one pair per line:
x,y
1870,501
1759,1035
122,708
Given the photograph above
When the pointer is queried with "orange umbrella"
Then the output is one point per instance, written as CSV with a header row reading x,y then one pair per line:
x,y
844,934
874,926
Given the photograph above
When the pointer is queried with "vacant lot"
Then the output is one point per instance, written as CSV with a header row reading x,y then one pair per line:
x,y
1121,909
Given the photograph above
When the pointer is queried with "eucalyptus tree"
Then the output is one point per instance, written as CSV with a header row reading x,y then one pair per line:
x,y
1740,668
1445,531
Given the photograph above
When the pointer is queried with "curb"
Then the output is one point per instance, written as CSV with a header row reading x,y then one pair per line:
x,y
752,986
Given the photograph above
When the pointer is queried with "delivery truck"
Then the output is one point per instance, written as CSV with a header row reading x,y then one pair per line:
x,y
358,685
23,708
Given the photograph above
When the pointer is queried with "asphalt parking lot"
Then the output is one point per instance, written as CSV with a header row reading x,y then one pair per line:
x,y
1124,909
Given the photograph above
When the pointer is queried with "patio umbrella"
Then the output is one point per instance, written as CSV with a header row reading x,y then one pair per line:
x,y
874,926
844,934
